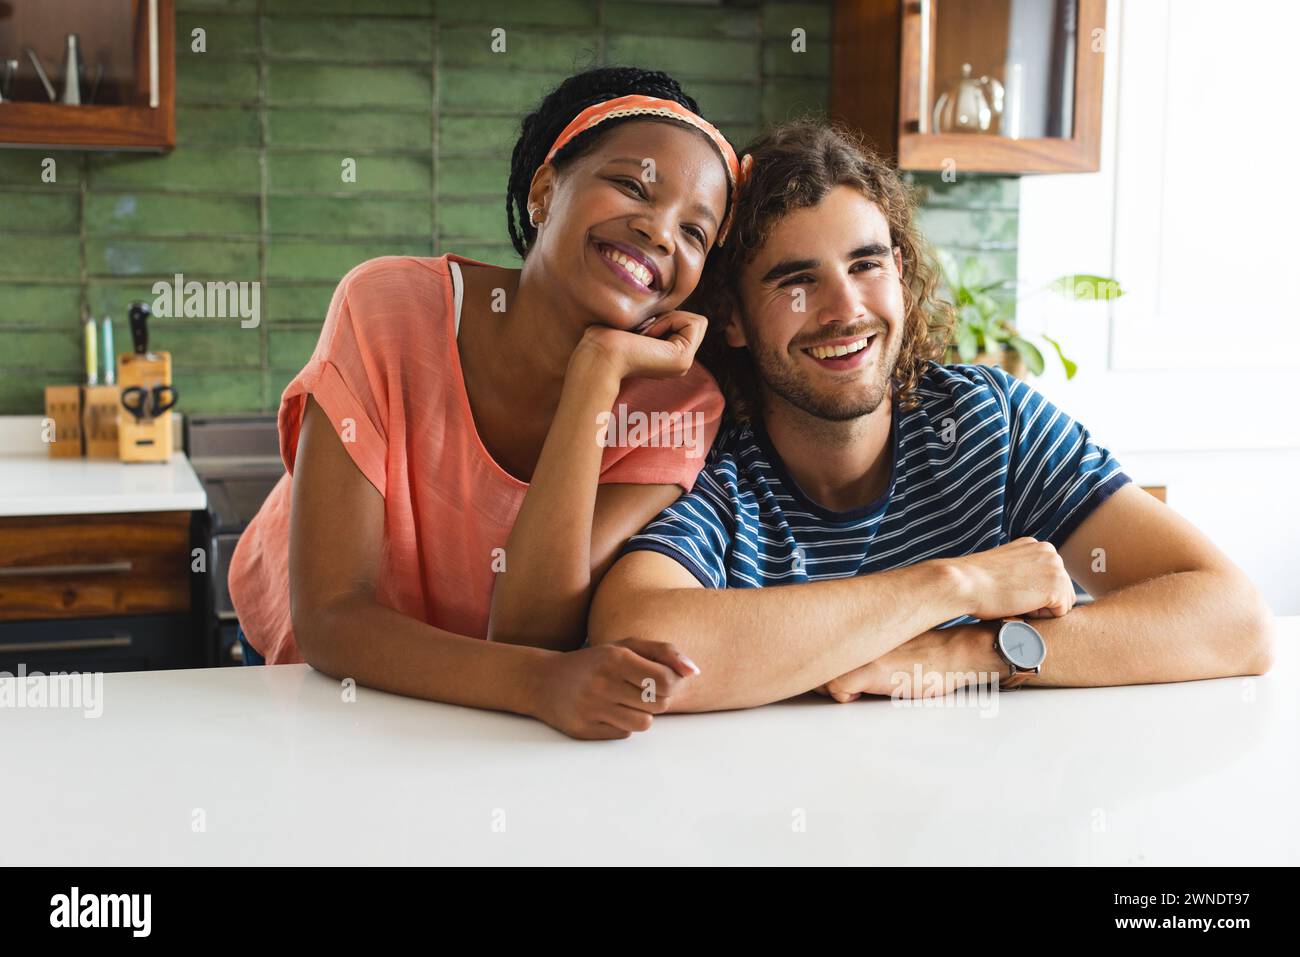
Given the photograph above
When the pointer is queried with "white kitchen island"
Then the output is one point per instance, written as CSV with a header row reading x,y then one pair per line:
x,y
270,765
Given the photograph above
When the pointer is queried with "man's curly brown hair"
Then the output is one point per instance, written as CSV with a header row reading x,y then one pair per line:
x,y
794,167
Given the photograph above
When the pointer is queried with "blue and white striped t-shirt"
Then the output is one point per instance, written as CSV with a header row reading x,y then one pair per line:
x,y
983,459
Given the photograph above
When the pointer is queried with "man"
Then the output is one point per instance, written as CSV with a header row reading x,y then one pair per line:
x,y
889,495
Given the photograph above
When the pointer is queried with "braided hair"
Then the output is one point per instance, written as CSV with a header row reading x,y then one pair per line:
x,y
540,128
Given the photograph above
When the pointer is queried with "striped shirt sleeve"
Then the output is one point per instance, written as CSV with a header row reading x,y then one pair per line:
x,y
695,531
1057,474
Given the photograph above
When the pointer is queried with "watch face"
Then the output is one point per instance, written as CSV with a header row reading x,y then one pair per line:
x,y
1022,644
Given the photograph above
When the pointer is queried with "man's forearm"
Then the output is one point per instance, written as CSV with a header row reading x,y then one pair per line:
x,y
755,646
1179,627
1183,626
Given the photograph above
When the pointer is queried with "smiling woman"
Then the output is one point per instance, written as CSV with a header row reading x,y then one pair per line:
x,y
450,476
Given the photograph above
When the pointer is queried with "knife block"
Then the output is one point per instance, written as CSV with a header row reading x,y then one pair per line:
x,y
101,410
144,440
63,408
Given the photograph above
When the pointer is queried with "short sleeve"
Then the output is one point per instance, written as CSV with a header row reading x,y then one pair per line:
x,y
695,531
347,375
660,430
1057,474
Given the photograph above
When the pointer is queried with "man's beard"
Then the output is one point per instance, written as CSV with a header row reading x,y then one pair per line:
x,y
776,373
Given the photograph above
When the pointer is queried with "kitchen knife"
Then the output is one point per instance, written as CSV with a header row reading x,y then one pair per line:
x,y
139,315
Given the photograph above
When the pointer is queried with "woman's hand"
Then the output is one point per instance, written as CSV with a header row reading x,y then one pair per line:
x,y
609,691
664,350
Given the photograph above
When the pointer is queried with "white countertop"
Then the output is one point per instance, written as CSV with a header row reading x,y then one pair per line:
x,y
35,484
282,771
32,483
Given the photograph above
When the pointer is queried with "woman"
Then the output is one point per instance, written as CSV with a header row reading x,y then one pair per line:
x,y
448,479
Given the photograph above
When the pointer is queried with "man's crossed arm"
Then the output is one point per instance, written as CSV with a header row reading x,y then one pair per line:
x,y
1169,607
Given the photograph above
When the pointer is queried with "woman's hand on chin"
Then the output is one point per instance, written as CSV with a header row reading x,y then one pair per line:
x,y
665,350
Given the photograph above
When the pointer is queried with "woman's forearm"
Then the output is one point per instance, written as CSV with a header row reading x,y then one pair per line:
x,y
542,595
381,648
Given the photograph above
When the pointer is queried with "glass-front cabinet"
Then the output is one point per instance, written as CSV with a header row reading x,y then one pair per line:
x,y
998,86
87,74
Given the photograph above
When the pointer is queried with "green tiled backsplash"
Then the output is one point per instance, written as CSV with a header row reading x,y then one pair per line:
x,y
411,90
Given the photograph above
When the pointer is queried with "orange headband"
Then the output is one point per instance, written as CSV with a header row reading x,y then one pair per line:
x,y
637,105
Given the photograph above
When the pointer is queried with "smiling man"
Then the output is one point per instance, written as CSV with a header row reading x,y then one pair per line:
x,y
914,514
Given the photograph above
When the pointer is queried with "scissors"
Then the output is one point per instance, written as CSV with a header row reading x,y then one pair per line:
x,y
145,403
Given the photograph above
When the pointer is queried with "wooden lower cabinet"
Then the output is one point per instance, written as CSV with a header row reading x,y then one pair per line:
x,y
98,593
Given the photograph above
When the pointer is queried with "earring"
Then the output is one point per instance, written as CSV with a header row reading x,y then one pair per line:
x,y
533,219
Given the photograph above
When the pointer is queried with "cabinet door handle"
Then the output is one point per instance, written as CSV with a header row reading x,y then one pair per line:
x,y
76,644
923,74
153,54
90,568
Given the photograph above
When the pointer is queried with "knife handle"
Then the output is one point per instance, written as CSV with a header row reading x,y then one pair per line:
x,y
139,317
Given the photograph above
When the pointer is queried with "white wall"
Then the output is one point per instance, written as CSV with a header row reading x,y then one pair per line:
x,y
1191,376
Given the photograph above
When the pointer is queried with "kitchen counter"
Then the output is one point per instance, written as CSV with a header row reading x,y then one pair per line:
x,y
35,484
271,765
32,483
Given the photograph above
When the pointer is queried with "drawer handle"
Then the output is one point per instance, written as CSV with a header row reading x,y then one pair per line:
x,y
76,644
92,568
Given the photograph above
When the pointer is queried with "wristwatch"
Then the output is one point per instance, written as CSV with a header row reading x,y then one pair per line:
x,y
1019,644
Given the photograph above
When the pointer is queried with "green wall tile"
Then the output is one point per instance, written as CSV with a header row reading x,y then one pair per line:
x,y
371,8
227,171
792,99
524,50
39,305
26,167
217,343
41,210
217,6
481,220
348,216
683,20
779,19
217,126
225,36
726,102
222,82
317,173
477,135
507,13
52,257
233,391
469,91
144,214
686,57
291,348
342,39
33,349
162,258
321,84
298,259
780,60
347,130
498,254
296,301
473,176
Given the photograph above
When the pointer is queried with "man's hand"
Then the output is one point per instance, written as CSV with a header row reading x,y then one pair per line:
x,y
948,659
1025,577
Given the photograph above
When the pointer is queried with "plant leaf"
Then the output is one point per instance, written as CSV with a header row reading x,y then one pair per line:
x,y
1070,367
1085,287
967,347
1029,352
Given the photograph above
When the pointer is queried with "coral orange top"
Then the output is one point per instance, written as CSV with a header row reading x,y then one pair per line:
x,y
387,372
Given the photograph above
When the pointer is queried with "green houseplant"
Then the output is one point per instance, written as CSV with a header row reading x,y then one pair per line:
x,y
985,331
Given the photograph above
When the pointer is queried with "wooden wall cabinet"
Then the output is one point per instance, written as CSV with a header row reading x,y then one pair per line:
x,y
893,62
133,40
